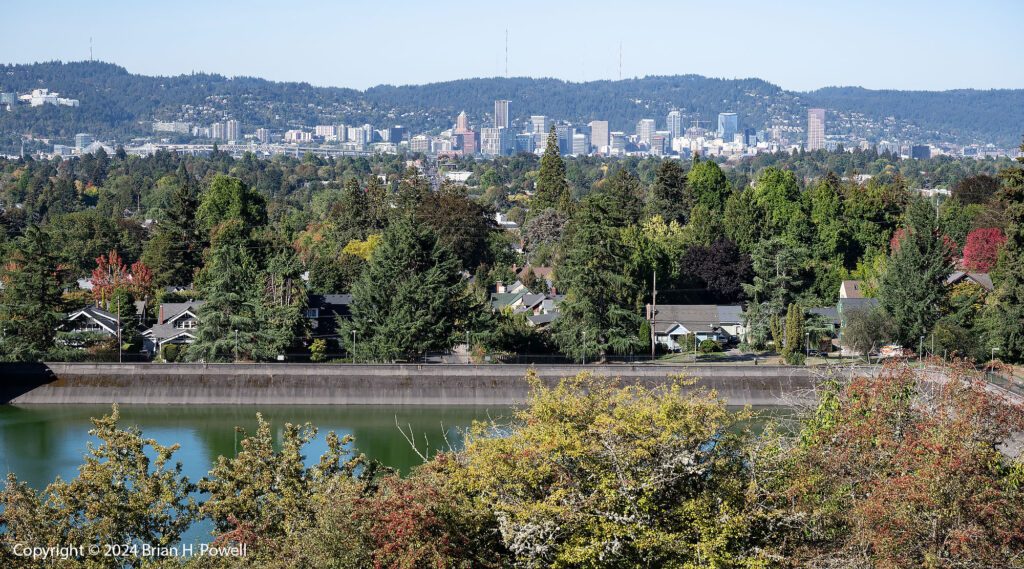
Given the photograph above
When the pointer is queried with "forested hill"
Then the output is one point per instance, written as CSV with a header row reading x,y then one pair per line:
x,y
116,103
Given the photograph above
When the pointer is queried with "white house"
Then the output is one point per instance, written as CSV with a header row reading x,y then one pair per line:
x,y
175,324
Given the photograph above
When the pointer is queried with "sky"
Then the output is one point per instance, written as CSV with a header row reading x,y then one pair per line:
x,y
797,44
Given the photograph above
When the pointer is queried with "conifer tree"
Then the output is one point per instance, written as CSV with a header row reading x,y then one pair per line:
x,y
912,291
410,299
1006,316
552,186
671,196
599,315
30,301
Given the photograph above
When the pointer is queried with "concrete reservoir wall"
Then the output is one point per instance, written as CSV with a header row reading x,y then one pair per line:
x,y
347,384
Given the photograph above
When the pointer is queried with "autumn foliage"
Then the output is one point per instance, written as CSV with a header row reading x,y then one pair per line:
x,y
111,275
981,251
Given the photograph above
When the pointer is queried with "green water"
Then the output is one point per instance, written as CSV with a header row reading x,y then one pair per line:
x,y
41,442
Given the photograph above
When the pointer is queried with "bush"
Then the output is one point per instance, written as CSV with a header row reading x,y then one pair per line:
x,y
708,346
170,352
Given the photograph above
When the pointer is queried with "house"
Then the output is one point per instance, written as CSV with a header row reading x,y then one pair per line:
x,y
175,324
540,309
731,320
673,322
325,310
92,320
980,279
851,289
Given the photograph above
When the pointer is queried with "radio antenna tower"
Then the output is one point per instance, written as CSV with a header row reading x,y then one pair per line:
x,y
620,61
90,50
506,52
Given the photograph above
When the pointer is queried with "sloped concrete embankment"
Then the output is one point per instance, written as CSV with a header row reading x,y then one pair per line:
x,y
326,384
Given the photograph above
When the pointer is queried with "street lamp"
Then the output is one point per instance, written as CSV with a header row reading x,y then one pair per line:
x,y
807,345
584,347
353,346
236,344
920,348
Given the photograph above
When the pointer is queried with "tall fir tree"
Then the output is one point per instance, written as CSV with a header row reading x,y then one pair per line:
x,y
671,196
228,328
552,186
599,313
30,301
410,299
175,252
912,291
1006,315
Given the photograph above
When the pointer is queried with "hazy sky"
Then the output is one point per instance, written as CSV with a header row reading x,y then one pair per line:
x,y
798,44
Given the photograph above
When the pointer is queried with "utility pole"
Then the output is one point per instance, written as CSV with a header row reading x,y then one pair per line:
x,y
584,347
236,344
620,61
118,328
353,346
654,310
506,52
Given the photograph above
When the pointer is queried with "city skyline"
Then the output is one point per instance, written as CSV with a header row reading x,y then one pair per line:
x,y
902,37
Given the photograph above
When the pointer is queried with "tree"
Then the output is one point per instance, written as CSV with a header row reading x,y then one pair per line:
x,y
897,470
230,198
228,327
127,493
600,301
981,250
410,298
793,351
710,186
777,279
866,329
593,475
1006,315
912,289
552,186
719,268
30,301
176,250
671,197
462,225
976,189
626,194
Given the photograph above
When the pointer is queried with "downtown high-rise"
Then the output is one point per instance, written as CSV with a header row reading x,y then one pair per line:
x,y
728,126
815,129
500,114
675,124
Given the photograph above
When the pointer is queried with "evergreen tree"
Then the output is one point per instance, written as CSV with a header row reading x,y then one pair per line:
x,y
600,303
671,197
1006,315
30,301
230,198
227,320
281,309
175,252
912,291
552,186
710,186
410,298
626,194
777,277
793,351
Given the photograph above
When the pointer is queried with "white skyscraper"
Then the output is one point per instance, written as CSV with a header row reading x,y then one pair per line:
x,y
815,129
645,131
500,114
675,124
598,134
540,124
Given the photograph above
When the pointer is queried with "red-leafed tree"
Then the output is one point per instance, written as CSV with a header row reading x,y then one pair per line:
x,y
111,275
951,248
982,249
905,470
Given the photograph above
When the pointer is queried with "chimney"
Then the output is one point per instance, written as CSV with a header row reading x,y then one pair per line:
x,y
160,318
500,287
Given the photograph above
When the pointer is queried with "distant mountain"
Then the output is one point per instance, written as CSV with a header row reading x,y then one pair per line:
x,y
118,104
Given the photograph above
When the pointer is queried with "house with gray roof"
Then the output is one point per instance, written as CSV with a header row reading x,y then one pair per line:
x,y
324,311
673,322
176,323
92,320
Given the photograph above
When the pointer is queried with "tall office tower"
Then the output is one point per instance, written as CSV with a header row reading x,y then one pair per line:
x,y
580,144
727,126
495,141
524,142
462,124
82,140
233,130
218,130
564,133
645,131
815,129
540,124
368,134
750,137
396,134
500,114
598,134
263,135
675,124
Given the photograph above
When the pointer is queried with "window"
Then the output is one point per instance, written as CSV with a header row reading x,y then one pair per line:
x,y
187,324
313,313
